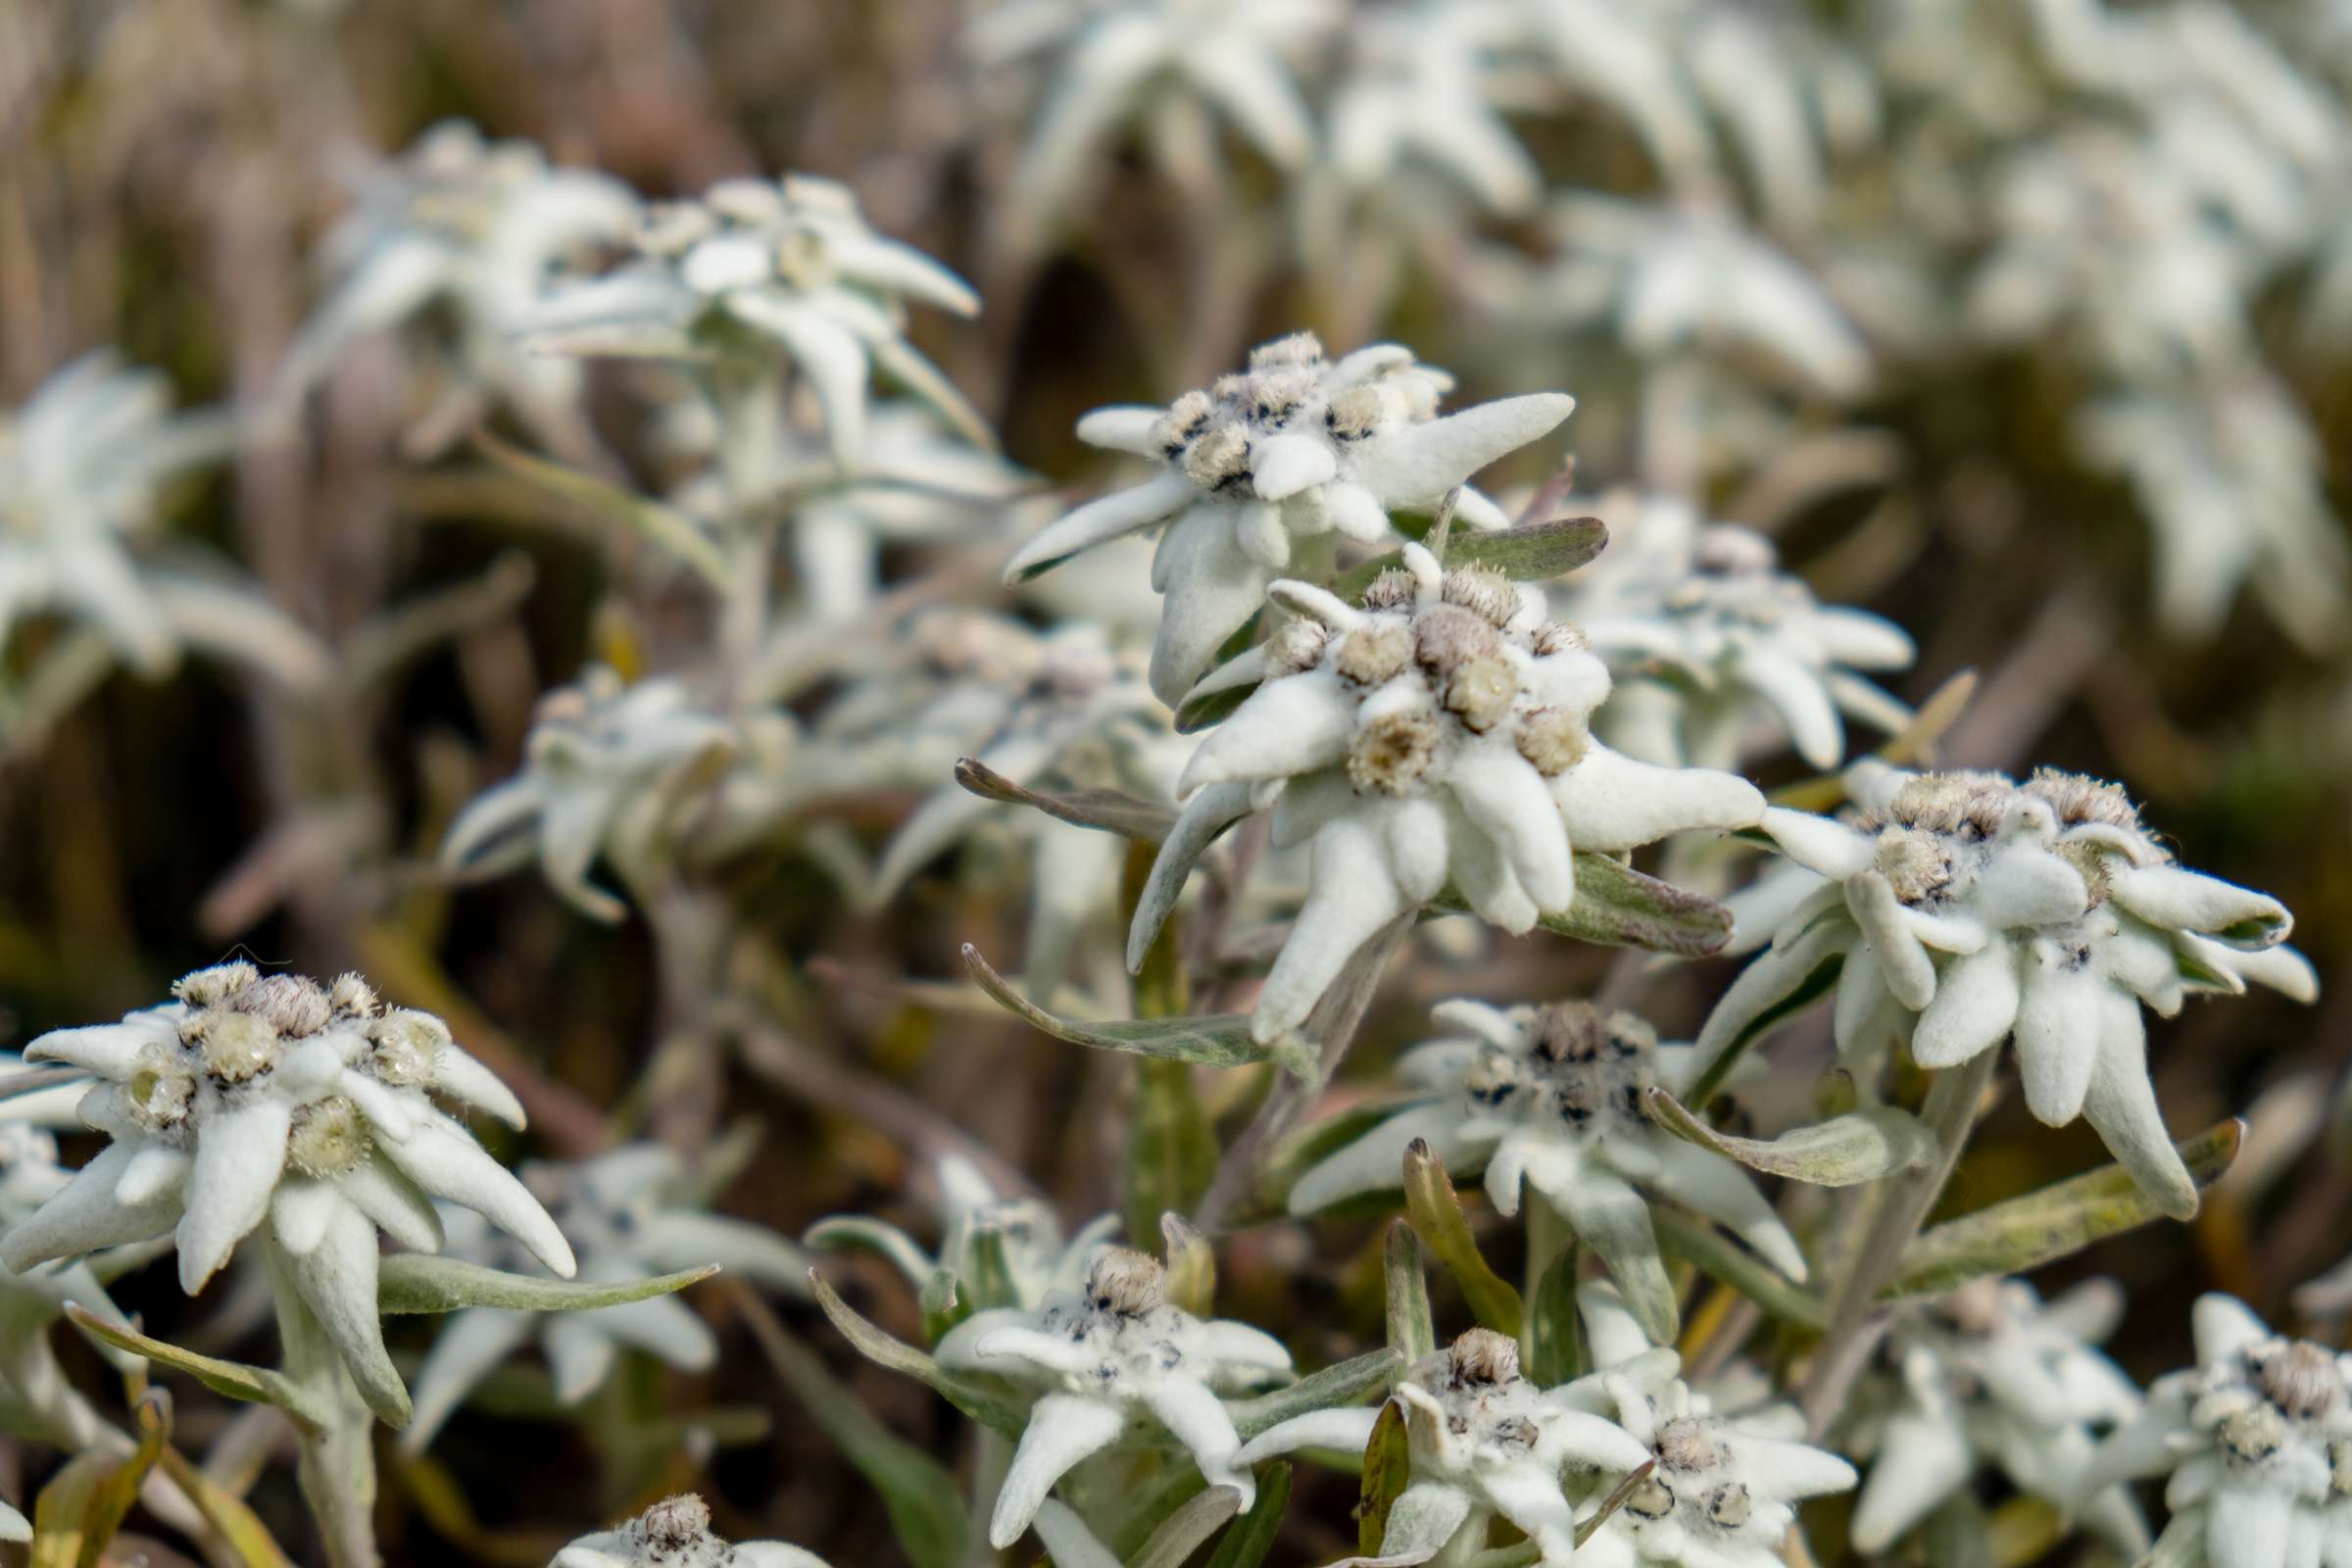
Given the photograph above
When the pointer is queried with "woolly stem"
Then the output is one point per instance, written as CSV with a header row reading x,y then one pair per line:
x,y
336,1467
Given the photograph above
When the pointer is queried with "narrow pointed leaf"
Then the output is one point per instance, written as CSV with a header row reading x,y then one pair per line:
x,y
1861,1146
234,1379
1411,1332
419,1282
1192,1264
1334,1386
1307,1147
1620,906
1532,552
1216,1040
669,530
1182,1533
1616,1499
1252,1534
240,1530
1552,1325
79,1511
1388,1471
1211,708
1109,810
1704,1247
1436,1211
981,1404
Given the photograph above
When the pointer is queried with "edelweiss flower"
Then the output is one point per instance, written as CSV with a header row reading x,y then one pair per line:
x,y
624,1223
255,1098
81,466
1990,1375
1259,471
598,775
675,1533
1160,63
1554,1098
2257,1438
1112,1355
754,277
1702,628
1965,906
1484,1442
1438,734
477,228
1417,94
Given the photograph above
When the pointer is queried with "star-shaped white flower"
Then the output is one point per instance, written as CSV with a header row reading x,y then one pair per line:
x,y
1966,909
757,278
596,777
1554,1098
1435,735
1485,1444
1989,1375
1258,473
675,1533
2257,1440
1417,94
1107,1358
624,1218
253,1100
1702,629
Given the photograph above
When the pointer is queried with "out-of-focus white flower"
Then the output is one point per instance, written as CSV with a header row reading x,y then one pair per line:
x,y
1990,1375
1485,1442
598,775
1703,631
1167,67
1415,94
1261,470
1438,734
675,1533
755,278
1112,1355
1964,909
476,228
625,1218
2257,1440
82,463
1554,1098
1023,1233
2232,478
258,1098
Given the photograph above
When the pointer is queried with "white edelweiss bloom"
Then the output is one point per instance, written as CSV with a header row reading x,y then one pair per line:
x,y
1416,93
81,465
1705,633
2257,1440
1554,1098
675,1533
600,774
473,228
1965,909
2232,478
1485,1444
1115,1354
626,1219
1991,1376
1437,735
257,1099
755,278
1265,467
1168,67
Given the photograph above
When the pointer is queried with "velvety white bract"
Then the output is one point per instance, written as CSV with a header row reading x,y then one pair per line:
x,y
675,1533
1415,94
1437,735
1261,471
1965,909
1114,1354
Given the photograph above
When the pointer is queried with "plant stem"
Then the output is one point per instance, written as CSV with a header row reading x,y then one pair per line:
x,y
1951,1113
337,1464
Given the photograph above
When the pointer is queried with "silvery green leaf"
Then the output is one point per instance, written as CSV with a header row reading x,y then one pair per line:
x,y
1859,1146
1172,1148
1334,1386
1252,1534
668,530
1109,810
2025,1233
981,1404
1192,1264
1620,906
1308,1147
872,1236
234,1379
1701,1245
1182,1533
1411,1332
1218,1040
1388,1471
419,1282
1552,1327
1437,1216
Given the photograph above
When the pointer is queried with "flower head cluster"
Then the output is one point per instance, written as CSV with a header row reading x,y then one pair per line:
x,y
1703,628
757,274
625,1218
1554,1098
258,1098
1436,734
2257,1440
1013,1244
476,228
675,1533
1991,1375
596,777
1963,909
1115,1353
1267,464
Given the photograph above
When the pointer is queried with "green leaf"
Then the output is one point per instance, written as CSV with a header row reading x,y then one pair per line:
x,y
2025,1233
419,1282
1345,1384
1552,1325
79,1512
1109,810
981,1404
1217,1040
1619,906
664,526
247,1540
1810,988
1411,1332
1246,1543
1699,1244
1172,1149
1861,1146
1211,708
1192,1264
943,1304
1436,1211
1532,552
1388,1471
1303,1148
254,1384
1181,1532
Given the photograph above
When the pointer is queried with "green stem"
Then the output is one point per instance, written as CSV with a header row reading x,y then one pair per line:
x,y
336,1467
